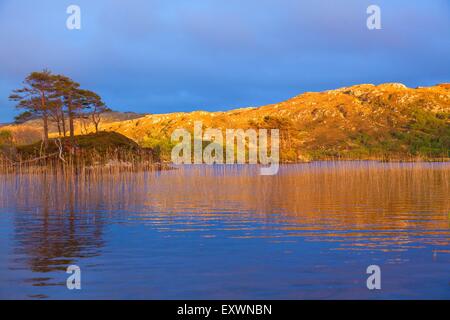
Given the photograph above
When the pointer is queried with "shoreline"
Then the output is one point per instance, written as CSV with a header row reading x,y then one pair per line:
x,y
115,167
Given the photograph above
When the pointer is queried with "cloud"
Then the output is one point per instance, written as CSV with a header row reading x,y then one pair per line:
x,y
163,56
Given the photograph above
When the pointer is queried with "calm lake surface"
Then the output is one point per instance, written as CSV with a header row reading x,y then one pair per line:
x,y
225,232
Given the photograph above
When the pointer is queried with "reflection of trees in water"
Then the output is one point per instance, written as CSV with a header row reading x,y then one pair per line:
x,y
60,219
53,229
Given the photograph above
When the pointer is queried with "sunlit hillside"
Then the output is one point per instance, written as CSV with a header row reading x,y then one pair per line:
x,y
387,121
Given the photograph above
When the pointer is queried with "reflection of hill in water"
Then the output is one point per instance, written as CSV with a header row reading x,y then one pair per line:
x,y
358,205
382,204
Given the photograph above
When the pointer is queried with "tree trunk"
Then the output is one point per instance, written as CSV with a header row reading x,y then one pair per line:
x,y
96,121
45,118
63,120
71,125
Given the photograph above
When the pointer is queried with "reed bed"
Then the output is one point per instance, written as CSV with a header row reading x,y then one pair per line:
x,y
321,198
345,195
110,162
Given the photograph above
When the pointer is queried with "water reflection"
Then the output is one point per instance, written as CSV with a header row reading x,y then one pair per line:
x,y
376,205
50,221
55,225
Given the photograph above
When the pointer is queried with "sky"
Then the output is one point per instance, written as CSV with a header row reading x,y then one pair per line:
x,y
160,56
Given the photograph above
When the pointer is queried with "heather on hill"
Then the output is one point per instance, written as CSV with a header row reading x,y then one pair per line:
x,y
385,122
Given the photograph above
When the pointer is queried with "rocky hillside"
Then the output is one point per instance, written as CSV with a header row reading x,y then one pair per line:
x,y
387,121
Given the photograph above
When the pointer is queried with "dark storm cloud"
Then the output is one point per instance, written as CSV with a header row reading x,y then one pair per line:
x,y
173,55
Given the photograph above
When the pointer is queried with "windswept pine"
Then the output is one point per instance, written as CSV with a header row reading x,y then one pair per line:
x,y
58,99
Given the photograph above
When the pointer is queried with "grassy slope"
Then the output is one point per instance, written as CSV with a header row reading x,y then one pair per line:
x,y
94,147
388,121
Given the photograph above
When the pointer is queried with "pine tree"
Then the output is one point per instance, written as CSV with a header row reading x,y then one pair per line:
x,y
34,96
